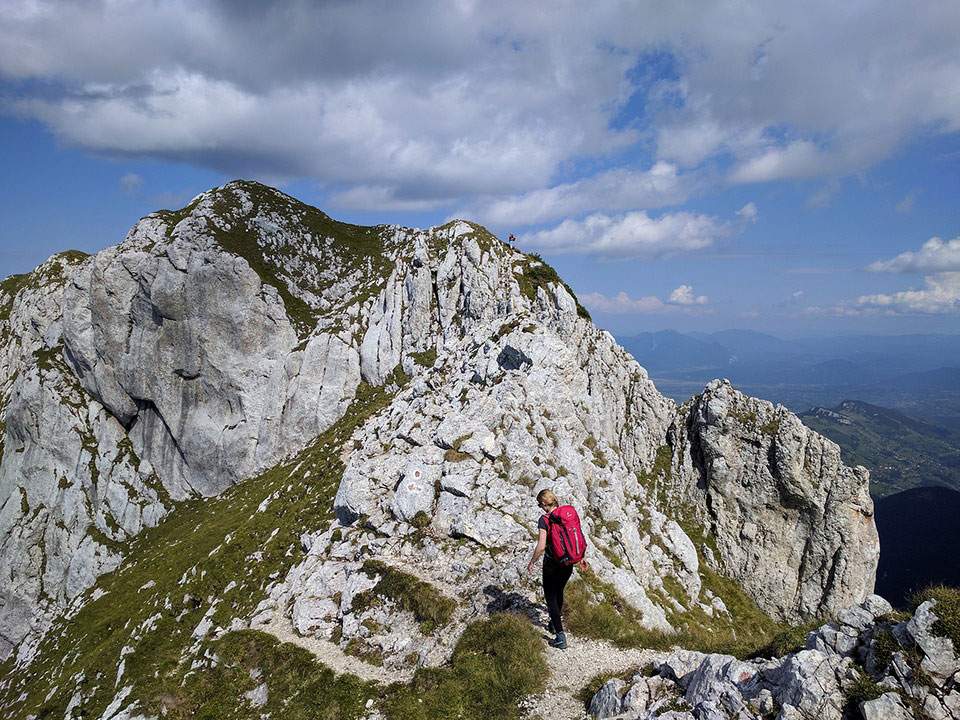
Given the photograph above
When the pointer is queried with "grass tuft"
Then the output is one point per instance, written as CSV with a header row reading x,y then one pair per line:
x,y
298,687
862,689
431,608
947,610
790,639
495,664
538,273
586,693
427,358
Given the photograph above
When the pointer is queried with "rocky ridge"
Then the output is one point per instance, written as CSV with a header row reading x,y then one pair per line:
x,y
215,343
870,660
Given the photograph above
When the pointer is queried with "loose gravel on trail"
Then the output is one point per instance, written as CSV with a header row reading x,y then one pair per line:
x,y
572,669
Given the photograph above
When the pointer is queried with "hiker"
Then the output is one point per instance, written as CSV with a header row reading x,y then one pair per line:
x,y
562,545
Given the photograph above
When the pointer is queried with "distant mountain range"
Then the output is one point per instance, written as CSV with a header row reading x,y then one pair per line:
x,y
900,452
916,374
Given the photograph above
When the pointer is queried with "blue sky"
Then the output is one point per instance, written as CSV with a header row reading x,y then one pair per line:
x,y
759,165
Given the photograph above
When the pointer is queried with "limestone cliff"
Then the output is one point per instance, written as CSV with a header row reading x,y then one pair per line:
x,y
438,378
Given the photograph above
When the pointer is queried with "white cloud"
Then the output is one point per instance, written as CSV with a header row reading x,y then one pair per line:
x,y
613,190
935,255
825,194
632,235
623,304
130,183
383,197
682,299
941,294
839,310
748,213
423,103
483,104
785,91
905,206
690,143
796,160
684,295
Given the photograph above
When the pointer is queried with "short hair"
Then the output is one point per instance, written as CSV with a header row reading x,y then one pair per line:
x,y
546,497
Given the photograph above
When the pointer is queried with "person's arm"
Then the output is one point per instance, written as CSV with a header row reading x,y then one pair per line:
x,y
538,550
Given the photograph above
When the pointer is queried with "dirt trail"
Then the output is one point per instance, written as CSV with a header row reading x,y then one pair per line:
x,y
332,656
572,669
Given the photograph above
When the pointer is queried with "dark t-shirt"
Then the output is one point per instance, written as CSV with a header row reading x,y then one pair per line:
x,y
544,524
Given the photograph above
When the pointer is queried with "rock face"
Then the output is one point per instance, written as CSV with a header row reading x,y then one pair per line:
x,y
218,340
789,518
863,662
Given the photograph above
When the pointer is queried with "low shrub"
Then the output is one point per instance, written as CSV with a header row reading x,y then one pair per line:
x,y
862,689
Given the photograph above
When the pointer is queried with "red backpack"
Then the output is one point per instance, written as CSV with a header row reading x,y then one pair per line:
x,y
565,536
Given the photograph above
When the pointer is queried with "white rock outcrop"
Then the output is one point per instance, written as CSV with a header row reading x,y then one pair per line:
x,y
216,341
881,674
790,520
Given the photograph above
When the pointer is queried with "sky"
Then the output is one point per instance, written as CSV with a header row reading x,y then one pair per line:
x,y
792,168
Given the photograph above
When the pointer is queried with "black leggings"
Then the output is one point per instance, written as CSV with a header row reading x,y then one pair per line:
x,y
555,577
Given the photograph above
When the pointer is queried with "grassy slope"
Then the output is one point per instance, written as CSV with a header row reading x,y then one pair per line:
x,y
192,559
900,452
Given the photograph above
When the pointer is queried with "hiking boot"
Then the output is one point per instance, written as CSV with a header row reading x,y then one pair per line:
x,y
560,641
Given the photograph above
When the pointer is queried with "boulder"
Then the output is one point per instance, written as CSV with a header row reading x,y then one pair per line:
x,y
888,706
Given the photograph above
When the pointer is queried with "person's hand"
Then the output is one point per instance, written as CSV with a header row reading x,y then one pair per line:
x,y
583,566
530,566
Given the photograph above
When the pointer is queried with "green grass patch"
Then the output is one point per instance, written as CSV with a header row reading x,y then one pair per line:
x,y
359,648
657,478
610,555
495,664
947,610
431,608
298,687
860,690
538,273
771,427
746,416
790,639
595,609
421,520
427,358
884,646
586,693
